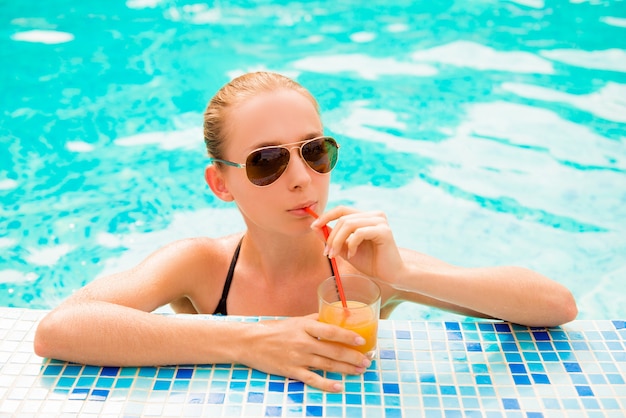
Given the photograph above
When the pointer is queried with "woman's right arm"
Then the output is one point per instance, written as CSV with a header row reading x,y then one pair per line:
x,y
109,322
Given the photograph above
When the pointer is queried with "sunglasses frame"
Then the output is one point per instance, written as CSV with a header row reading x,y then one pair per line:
x,y
288,147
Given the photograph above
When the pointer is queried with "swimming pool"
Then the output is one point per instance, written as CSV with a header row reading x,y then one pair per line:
x,y
490,132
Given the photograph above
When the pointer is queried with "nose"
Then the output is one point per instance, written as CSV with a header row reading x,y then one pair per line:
x,y
298,172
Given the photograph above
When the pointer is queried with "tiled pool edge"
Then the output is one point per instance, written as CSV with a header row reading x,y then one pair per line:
x,y
432,369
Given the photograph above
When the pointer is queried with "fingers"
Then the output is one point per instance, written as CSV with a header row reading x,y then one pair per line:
x,y
333,333
352,229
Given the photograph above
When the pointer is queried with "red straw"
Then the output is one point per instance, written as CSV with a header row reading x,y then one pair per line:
x,y
342,295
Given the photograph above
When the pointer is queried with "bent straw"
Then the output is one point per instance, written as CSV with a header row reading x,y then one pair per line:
x,y
342,296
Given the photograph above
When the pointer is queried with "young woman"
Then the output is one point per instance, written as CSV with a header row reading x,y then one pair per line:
x,y
270,156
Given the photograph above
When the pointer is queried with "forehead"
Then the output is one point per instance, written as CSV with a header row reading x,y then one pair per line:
x,y
282,116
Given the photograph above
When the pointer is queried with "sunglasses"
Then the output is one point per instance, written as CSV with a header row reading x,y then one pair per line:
x,y
265,165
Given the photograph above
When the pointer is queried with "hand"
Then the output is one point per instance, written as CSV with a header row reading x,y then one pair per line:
x,y
294,347
363,238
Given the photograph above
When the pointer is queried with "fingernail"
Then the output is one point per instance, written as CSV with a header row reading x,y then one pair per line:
x,y
359,341
337,387
326,250
366,363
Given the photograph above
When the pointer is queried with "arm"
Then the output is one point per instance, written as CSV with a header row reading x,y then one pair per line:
x,y
108,322
510,293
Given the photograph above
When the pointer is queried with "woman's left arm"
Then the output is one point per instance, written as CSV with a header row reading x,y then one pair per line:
x,y
512,294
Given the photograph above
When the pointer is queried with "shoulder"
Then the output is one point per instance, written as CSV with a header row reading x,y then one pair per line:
x,y
198,249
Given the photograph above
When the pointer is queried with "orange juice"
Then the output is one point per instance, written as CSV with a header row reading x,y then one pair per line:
x,y
358,317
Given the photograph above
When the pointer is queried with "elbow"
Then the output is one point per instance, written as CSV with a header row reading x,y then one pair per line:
x,y
570,309
45,335
564,310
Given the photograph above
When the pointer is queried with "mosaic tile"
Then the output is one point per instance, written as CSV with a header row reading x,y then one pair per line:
x,y
430,369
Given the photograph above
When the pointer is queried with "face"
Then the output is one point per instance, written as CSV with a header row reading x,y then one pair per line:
x,y
275,118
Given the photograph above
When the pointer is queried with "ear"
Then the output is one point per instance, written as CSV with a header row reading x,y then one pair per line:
x,y
215,179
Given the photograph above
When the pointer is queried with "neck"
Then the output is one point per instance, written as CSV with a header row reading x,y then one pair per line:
x,y
280,257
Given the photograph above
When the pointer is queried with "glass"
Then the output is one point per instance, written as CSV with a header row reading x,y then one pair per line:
x,y
265,165
362,312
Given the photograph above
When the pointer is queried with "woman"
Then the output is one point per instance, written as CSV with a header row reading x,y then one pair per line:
x,y
270,156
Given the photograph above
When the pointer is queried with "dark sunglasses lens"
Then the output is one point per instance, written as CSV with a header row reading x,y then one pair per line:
x,y
264,166
321,154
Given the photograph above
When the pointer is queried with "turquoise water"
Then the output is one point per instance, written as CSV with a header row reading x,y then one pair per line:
x,y
491,132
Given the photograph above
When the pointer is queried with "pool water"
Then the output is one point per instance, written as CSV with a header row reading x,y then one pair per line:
x,y
491,132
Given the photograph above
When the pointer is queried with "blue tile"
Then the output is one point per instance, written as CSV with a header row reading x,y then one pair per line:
x,y
615,379
540,379
353,399
534,415
393,413
372,400
513,358
473,347
454,326
240,374
52,370
79,394
255,397
454,335
480,368
429,389
545,346
295,397
256,374
336,398
295,387
353,412
403,335
147,371
521,379
124,382
371,376
619,324
447,390
485,326
502,327
541,336
510,403
547,356
184,373
467,390
517,368
314,411
99,395
387,354
109,371
276,387
391,388
427,378
162,385
584,391
237,386
72,370
165,373
216,398
273,411
483,379
66,382
509,347
572,367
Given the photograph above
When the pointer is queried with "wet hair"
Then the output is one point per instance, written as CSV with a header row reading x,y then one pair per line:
x,y
236,92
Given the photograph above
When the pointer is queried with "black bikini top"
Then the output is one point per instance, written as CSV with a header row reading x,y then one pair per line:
x,y
221,306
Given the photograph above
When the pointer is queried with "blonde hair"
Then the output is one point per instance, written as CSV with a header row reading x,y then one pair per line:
x,y
236,92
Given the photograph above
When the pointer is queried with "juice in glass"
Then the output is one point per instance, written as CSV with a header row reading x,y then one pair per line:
x,y
362,312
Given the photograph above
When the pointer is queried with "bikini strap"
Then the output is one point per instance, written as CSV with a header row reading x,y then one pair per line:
x,y
221,306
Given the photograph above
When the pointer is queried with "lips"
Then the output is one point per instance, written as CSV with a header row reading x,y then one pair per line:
x,y
300,208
